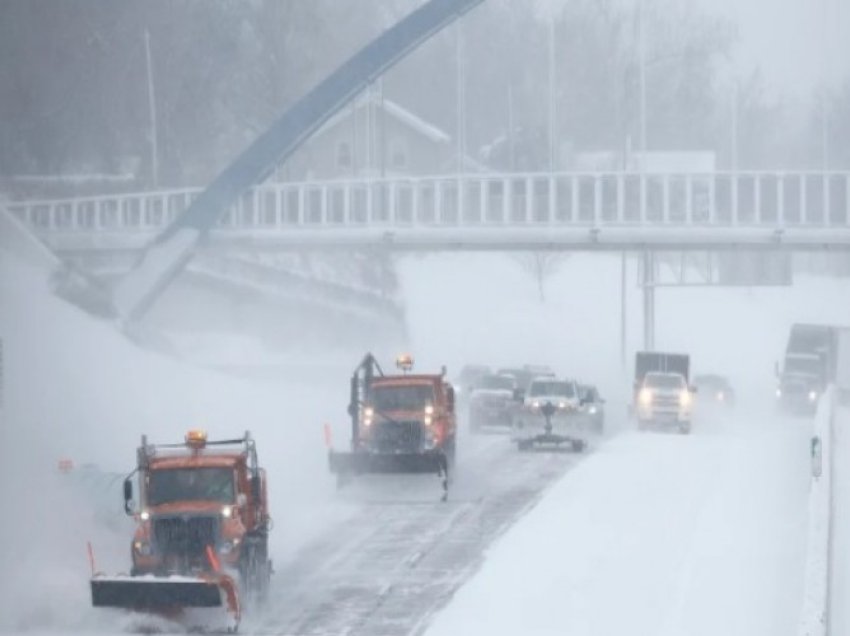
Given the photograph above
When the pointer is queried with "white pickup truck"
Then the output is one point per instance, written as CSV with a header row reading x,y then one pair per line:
x,y
665,400
549,415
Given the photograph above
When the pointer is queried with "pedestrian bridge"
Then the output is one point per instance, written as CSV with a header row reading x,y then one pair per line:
x,y
487,211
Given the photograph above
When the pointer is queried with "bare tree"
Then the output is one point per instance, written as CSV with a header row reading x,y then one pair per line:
x,y
541,266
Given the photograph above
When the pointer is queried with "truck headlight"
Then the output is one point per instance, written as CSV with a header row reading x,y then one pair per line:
x,y
720,396
144,515
227,512
813,396
685,398
143,548
428,420
592,410
778,392
228,546
645,396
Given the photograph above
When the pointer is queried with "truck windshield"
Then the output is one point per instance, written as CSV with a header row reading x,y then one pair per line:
x,y
190,484
664,381
810,366
402,397
496,382
470,374
562,389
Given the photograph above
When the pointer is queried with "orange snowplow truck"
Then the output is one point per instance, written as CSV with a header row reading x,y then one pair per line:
x,y
201,538
403,423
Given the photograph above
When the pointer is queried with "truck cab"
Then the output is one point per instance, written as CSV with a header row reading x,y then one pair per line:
x,y
665,399
662,392
408,414
193,498
492,401
550,415
801,382
563,394
400,423
809,365
202,524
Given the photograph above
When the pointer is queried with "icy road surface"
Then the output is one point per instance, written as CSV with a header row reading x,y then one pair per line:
x,y
402,555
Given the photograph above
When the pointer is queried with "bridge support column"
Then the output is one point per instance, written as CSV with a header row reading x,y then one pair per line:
x,y
648,301
623,313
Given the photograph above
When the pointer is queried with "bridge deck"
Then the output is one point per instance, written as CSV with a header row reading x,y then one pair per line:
x,y
802,210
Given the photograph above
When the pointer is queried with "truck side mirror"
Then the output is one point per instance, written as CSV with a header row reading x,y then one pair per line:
x,y
255,488
353,405
776,369
519,395
128,496
450,398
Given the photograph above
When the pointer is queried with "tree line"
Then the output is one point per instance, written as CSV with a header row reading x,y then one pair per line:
x,y
76,93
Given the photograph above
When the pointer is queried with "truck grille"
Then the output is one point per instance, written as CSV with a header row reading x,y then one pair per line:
x,y
185,536
666,402
398,436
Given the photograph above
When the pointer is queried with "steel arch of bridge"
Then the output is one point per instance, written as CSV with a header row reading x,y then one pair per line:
x,y
173,247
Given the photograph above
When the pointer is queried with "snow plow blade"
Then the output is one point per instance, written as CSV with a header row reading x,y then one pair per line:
x,y
551,441
364,463
152,593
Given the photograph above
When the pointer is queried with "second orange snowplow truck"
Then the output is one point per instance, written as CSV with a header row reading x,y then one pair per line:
x,y
401,423
201,538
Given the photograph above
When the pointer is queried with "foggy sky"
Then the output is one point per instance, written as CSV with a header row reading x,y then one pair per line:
x,y
799,44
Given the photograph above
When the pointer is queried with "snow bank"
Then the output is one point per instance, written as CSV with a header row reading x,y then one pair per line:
x,y
17,239
839,547
76,388
655,534
813,620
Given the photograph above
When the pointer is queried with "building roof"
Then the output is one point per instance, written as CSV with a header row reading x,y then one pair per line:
x,y
395,110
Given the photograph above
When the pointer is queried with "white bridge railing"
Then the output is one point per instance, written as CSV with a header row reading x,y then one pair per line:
x,y
722,199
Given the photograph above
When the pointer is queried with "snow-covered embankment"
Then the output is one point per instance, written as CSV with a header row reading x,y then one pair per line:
x,y
814,616
656,534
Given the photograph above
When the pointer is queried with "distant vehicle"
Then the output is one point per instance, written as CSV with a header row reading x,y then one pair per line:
x,y
662,393
525,374
808,367
549,415
468,377
400,423
539,370
714,389
592,407
492,402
